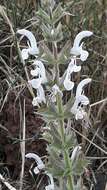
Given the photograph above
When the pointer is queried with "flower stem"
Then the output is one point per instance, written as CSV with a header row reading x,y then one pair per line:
x,y
54,45
66,155
61,124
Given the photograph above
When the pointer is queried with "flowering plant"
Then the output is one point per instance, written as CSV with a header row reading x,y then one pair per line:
x,y
65,161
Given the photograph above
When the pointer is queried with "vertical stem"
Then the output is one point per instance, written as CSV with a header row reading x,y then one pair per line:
x,y
66,155
61,123
54,45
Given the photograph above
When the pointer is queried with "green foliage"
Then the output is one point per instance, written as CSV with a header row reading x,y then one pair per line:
x,y
64,53
55,164
48,113
43,16
58,13
60,142
52,35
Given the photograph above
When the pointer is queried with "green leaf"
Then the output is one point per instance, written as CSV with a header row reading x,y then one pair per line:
x,y
47,4
43,16
47,137
57,14
57,172
52,136
69,104
47,54
57,143
64,53
69,141
48,113
52,35
67,115
79,165
55,163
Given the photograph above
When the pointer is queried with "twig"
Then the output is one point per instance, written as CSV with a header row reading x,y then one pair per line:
x,y
6,183
98,147
22,144
96,158
99,102
102,165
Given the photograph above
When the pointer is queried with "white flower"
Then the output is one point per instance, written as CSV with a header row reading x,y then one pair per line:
x,y
75,152
51,185
32,44
55,90
77,47
80,100
72,67
40,97
36,83
40,164
68,84
39,71
81,85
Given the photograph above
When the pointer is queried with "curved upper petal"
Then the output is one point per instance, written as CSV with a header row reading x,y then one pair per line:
x,y
81,86
68,84
77,47
75,51
33,49
40,164
80,36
